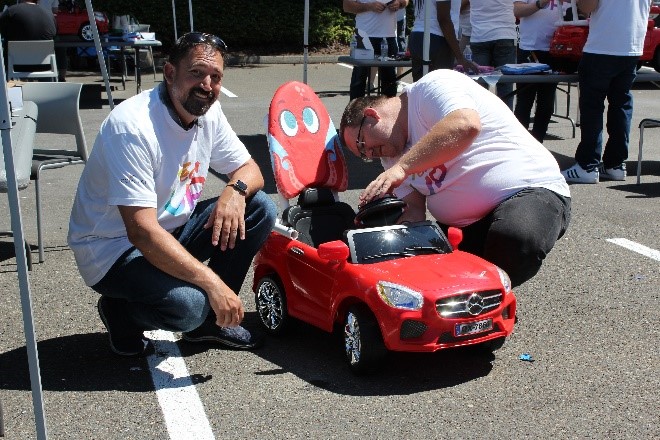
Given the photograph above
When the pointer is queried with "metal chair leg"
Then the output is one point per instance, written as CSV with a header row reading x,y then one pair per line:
x,y
40,242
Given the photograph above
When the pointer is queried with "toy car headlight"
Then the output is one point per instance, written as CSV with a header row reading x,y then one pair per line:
x,y
399,297
504,278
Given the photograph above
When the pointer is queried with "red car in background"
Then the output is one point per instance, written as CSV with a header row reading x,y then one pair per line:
x,y
569,40
75,21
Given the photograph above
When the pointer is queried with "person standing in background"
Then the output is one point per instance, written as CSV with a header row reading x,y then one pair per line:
x,y
444,48
607,70
538,21
493,38
464,26
378,20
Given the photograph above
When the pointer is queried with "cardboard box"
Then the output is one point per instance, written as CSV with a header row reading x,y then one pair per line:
x,y
362,54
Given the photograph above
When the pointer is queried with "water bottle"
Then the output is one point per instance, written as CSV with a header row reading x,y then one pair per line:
x,y
383,49
353,46
467,53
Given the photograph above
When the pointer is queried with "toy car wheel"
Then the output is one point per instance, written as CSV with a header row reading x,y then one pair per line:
x,y
363,343
85,32
270,301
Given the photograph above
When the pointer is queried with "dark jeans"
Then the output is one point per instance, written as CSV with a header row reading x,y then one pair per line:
x,y
611,77
520,232
440,55
386,75
156,300
496,53
543,94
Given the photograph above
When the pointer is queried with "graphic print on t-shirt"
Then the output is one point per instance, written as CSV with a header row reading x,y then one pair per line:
x,y
433,178
186,191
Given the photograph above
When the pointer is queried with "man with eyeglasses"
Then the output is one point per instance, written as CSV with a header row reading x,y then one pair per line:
x,y
450,146
139,231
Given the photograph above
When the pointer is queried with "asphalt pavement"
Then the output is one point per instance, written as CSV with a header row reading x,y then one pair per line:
x,y
588,320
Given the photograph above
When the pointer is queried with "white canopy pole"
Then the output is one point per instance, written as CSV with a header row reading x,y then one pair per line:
x,y
191,15
305,41
99,51
176,37
21,260
426,45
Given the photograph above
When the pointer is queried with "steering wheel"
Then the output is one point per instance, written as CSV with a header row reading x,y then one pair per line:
x,y
380,212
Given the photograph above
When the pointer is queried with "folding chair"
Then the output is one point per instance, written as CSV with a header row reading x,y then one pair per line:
x,y
59,113
31,60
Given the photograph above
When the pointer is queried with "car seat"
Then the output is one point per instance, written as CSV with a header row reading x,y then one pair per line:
x,y
309,164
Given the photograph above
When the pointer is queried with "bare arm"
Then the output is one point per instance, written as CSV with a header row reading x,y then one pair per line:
x,y
587,6
416,209
355,7
449,32
522,9
162,250
448,138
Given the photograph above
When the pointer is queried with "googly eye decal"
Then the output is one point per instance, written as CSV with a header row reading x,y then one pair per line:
x,y
288,123
310,119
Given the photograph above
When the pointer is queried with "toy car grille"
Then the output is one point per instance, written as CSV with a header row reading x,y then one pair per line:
x,y
412,329
469,304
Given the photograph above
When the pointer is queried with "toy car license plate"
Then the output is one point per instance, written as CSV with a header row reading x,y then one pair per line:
x,y
470,328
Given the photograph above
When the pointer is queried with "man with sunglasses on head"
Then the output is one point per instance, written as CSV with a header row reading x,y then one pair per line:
x,y
139,231
450,146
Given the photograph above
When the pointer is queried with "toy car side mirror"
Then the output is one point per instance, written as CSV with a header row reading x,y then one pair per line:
x,y
333,251
455,236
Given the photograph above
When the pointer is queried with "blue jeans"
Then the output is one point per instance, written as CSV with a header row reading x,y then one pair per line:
x,y
496,53
440,54
544,94
611,77
156,300
519,233
386,75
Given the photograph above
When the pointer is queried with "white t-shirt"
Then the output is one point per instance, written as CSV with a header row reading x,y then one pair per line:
x,y
492,20
618,27
502,160
465,28
536,30
376,24
434,26
142,157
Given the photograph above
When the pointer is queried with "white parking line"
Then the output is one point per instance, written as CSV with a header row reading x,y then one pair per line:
x,y
228,93
345,65
182,409
636,247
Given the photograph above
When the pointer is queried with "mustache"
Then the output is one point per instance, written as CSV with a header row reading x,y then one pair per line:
x,y
210,95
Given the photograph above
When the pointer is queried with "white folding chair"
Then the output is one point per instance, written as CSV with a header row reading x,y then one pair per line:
x,y
59,113
31,59
644,123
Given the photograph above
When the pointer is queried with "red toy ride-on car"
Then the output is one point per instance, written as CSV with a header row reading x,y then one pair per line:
x,y
569,40
386,286
73,20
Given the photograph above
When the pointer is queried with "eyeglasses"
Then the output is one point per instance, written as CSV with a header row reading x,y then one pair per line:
x,y
200,38
360,144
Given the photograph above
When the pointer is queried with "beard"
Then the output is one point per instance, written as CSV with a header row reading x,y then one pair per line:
x,y
197,105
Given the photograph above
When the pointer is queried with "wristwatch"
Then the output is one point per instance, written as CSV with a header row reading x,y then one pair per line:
x,y
239,186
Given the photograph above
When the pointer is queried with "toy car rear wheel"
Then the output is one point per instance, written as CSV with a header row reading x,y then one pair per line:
x,y
85,33
363,342
270,301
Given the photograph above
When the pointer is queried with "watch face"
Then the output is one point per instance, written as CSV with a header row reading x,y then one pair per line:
x,y
240,186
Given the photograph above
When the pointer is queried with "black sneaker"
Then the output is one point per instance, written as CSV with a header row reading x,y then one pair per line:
x,y
234,337
125,338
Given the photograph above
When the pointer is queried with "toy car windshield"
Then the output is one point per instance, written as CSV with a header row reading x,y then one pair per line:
x,y
373,245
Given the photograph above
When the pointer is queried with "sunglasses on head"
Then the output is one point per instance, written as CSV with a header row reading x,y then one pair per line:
x,y
203,38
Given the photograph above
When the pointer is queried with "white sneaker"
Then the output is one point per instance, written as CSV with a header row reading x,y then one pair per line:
x,y
577,174
616,173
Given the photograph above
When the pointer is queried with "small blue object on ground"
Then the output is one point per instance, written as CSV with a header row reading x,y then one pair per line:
x,y
526,357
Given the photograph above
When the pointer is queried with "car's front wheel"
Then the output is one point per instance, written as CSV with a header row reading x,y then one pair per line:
x,y
270,301
85,33
363,342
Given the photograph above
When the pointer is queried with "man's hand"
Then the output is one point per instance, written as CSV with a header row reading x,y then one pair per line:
x,y
227,306
469,66
377,6
383,184
228,219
